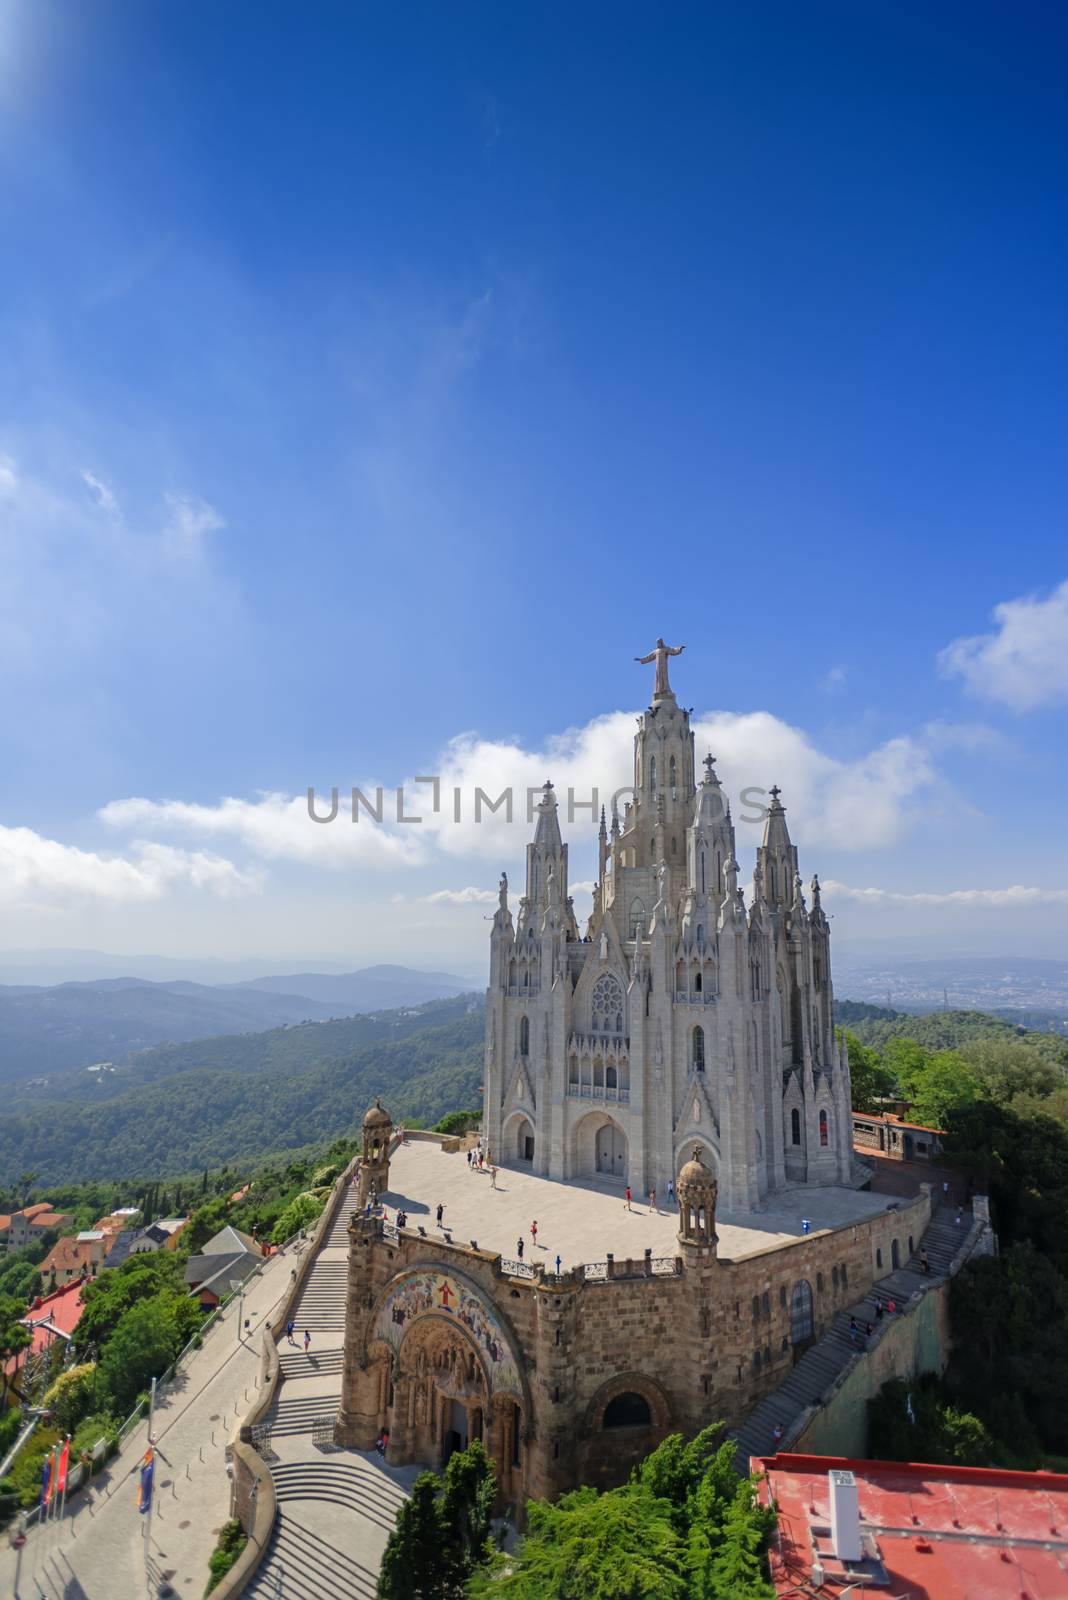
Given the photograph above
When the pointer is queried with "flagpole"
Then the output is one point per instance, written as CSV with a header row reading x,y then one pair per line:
x,y
52,1495
66,1475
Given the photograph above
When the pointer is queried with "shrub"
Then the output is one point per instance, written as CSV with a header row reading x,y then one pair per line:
x,y
72,1396
232,1540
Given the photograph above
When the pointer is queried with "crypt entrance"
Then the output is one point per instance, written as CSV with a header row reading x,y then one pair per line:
x,y
442,1371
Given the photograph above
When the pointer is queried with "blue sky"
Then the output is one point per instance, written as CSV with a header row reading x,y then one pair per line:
x,y
374,382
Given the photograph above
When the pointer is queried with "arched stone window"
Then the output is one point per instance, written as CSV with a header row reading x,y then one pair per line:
x,y
895,1255
610,1078
824,1135
638,919
795,1126
801,1324
697,983
607,1005
698,1049
673,779
652,774
524,1036
628,1410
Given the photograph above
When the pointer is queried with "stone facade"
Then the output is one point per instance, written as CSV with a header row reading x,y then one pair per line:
x,y
681,1014
571,1379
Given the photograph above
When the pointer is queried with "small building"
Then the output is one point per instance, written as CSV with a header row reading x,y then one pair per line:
x,y
161,1235
225,1263
52,1320
119,1248
78,1256
24,1226
886,1133
896,1528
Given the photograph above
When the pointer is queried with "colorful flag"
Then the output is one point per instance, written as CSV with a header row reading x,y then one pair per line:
x,y
64,1458
144,1493
46,1479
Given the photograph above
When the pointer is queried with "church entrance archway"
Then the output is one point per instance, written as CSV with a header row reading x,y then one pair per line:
x,y
611,1151
524,1141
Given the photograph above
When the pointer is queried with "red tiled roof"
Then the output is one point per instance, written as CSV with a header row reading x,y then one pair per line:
x,y
62,1308
951,1532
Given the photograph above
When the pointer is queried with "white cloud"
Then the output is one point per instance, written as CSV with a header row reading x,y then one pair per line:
x,y
189,521
470,896
859,805
1024,662
1015,895
102,494
36,871
834,679
277,827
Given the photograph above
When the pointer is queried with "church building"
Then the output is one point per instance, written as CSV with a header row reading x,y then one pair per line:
x,y
682,1016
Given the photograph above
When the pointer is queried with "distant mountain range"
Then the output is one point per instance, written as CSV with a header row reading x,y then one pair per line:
x,y
70,1026
243,1098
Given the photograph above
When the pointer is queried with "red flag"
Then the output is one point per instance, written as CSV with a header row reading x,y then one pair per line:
x,y
64,1458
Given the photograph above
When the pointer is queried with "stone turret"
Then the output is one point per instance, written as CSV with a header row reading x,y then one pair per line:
x,y
697,1190
374,1162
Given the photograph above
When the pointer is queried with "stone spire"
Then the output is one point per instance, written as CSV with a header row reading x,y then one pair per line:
x,y
547,853
777,857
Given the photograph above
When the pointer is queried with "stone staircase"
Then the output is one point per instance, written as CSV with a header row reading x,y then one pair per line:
x,y
821,1365
335,1508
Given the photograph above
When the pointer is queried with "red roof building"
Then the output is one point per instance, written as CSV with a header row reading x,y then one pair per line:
x,y
902,1528
51,1318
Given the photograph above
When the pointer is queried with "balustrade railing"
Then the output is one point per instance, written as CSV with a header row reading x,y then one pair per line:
x,y
516,1269
597,1091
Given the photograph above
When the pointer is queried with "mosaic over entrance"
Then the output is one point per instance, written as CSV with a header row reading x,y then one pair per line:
x,y
430,1292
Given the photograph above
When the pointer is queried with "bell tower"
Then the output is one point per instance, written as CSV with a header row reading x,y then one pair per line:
x,y
374,1163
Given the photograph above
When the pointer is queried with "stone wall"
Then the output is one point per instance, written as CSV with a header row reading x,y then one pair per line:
x,y
696,1340
914,1341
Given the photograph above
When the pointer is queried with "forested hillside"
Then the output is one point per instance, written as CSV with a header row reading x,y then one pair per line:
x,y
941,1030
246,1098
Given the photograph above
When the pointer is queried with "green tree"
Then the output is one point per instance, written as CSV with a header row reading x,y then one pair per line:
x,y
738,1571
411,1565
14,1335
871,1080
72,1396
140,1349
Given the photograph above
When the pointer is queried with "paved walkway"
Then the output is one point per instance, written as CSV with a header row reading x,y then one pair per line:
x,y
583,1219
99,1551
336,1508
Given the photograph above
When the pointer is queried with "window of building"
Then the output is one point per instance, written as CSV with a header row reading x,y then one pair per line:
x,y
607,1005
698,1049
795,1125
697,983
524,1036
627,1411
879,1260
823,1127
801,1324
652,774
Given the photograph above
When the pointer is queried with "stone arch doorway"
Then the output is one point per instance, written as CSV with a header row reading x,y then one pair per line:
x,y
599,1148
524,1140
611,1151
517,1138
626,1418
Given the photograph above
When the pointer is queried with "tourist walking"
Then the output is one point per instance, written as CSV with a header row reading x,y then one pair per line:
x,y
307,1341
558,1266
671,1191
440,1212
960,1217
534,1231
777,1433
945,1188
493,1177
891,1307
626,1202
469,1155
652,1201
519,1246
878,1309
289,1331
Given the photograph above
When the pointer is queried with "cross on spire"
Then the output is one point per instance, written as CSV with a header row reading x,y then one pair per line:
x,y
709,763
775,792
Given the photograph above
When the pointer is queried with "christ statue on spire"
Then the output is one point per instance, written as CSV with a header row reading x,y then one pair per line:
x,y
660,656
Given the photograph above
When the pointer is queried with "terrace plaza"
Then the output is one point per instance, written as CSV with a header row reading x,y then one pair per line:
x,y
583,1220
